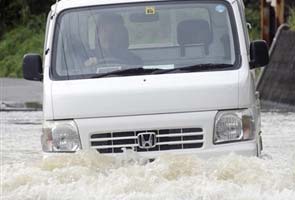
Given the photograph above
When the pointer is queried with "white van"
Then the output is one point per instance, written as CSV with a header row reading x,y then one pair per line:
x,y
150,76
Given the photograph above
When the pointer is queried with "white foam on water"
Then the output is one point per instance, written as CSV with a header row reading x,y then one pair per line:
x,y
89,175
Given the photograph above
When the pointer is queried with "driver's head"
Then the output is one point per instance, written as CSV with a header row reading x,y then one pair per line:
x,y
112,33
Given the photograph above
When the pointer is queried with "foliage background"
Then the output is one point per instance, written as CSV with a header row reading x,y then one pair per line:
x,y
22,27
291,20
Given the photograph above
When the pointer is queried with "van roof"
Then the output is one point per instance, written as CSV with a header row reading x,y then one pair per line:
x,y
66,4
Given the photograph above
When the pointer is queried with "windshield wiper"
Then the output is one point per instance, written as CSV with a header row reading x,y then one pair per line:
x,y
129,71
141,70
195,68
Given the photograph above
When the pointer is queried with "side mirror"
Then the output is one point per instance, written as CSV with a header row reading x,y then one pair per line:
x,y
259,54
32,67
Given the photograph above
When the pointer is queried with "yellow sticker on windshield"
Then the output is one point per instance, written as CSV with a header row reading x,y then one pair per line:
x,y
150,10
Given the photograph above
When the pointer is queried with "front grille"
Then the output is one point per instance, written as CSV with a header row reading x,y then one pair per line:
x,y
166,139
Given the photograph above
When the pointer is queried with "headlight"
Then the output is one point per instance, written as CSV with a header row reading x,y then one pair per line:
x,y
60,136
231,126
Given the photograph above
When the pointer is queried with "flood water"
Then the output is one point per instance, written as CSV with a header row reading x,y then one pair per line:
x,y
26,175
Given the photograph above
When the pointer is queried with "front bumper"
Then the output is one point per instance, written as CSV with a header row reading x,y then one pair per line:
x,y
244,149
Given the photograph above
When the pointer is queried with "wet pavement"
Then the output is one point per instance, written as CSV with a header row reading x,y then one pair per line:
x,y
20,94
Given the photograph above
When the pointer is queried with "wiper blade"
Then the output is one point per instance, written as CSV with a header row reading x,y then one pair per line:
x,y
195,68
141,70
129,71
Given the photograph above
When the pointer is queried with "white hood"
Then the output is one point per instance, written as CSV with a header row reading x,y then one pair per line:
x,y
141,95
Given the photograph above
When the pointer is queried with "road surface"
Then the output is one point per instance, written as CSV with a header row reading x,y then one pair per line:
x,y
18,94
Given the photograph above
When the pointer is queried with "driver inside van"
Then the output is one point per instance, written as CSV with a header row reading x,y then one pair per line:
x,y
113,42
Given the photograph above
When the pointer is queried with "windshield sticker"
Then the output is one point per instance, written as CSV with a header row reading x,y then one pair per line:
x,y
102,70
159,67
220,8
150,10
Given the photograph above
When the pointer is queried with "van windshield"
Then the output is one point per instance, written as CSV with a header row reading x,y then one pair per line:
x,y
163,36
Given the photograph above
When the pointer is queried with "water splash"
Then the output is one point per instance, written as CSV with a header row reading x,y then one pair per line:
x,y
89,175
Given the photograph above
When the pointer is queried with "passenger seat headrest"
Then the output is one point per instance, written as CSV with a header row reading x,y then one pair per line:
x,y
194,32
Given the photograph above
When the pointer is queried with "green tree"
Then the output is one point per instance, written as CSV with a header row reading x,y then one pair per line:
x,y
21,12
